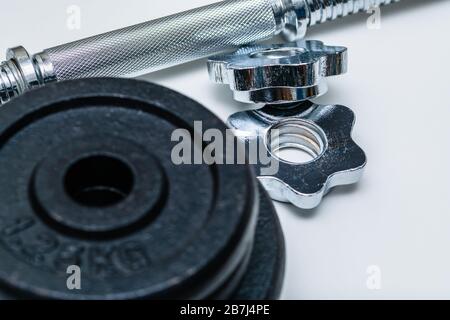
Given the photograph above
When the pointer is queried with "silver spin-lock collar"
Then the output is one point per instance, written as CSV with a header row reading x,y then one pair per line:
x,y
322,131
280,73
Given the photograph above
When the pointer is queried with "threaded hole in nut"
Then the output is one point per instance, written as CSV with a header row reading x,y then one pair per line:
x,y
277,53
296,141
99,181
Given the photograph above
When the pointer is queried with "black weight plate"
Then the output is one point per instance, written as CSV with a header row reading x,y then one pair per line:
x,y
158,231
265,272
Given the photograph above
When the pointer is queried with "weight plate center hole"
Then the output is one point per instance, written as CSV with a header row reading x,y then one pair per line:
x,y
296,141
99,181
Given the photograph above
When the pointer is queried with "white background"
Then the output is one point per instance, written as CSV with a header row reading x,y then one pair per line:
x,y
398,217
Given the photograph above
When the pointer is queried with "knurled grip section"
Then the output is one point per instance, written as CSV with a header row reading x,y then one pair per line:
x,y
165,42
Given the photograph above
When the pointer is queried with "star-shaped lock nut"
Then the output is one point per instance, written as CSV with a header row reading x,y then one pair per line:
x,y
321,131
280,73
